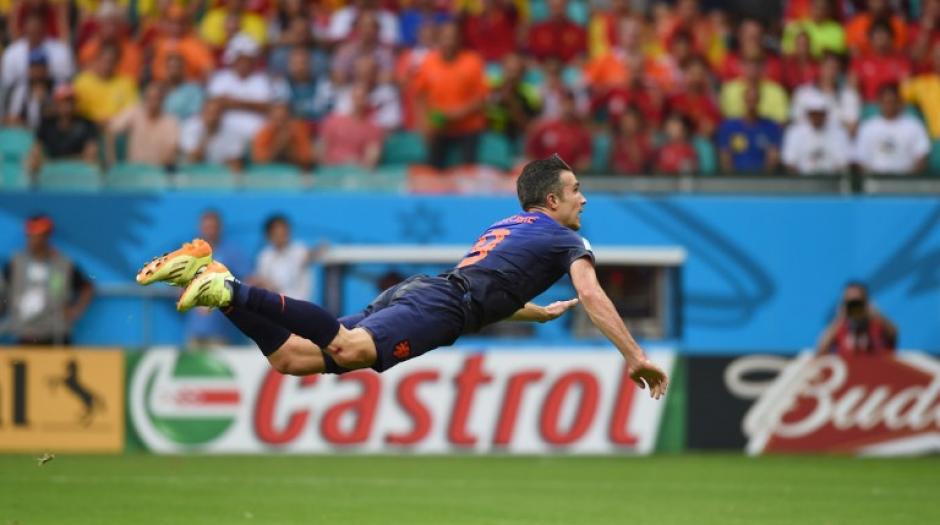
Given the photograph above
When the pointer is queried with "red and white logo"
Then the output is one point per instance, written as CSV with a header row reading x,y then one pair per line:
x,y
868,405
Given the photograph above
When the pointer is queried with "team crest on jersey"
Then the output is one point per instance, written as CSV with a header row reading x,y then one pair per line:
x,y
402,349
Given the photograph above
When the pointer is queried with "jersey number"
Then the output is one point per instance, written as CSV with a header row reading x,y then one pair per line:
x,y
483,246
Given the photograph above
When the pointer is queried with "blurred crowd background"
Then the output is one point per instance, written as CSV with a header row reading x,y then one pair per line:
x,y
145,88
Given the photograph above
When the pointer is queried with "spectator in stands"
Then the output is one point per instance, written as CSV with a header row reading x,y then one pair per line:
x,y
567,136
799,67
213,30
364,43
558,36
893,142
696,99
202,326
632,148
184,98
152,135
858,29
203,139
751,143
554,88
451,90
112,30
351,139
297,40
843,104
668,71
283,266
31,102
924,91
303,87
54,17
816,144
14,63
773,98
823,31
494,31
677,155
419,14
513,103
639,90
343,21
384,102
613,68
178,38
65,135
46,292
244,92
101,92
925,36
882,65
858,329
603,27
409,62
283,139
751,48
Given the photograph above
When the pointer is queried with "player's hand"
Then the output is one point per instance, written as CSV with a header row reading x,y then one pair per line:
x,y
645,373
556,309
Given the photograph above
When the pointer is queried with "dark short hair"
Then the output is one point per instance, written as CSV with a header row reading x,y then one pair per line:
x,y
273,220
539,178
889,87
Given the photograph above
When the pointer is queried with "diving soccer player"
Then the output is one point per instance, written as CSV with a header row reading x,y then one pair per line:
x,y
514,260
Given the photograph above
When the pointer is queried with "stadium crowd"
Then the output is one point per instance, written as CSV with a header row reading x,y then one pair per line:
x,y
616,86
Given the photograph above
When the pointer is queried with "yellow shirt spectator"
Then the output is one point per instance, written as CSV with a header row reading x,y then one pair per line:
x,y
212,28
924,91
823,36
100,99
773,102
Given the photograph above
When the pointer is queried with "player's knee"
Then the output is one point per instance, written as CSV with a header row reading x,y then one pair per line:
x,y
284,363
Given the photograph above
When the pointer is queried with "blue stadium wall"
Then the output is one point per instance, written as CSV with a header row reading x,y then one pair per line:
x,y
763,273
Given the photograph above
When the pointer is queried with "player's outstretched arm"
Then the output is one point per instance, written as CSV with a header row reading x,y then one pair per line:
x,y
542,314
605,317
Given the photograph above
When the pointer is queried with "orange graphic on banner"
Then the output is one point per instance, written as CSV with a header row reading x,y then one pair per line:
x,y
61,400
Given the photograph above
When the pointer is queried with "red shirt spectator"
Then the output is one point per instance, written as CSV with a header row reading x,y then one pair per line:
x,y
352,139
799,67
750,46
54,16
558,37
677,156
880,66
632,149
925,36
567,136
697,101
492,33
616,101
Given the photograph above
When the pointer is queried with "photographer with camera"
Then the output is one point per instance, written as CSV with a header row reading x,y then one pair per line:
x,y
859,328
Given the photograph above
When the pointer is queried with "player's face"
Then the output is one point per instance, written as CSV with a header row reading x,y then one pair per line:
x,y
572,202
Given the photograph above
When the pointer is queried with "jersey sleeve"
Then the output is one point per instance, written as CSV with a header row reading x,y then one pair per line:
x,y
572,247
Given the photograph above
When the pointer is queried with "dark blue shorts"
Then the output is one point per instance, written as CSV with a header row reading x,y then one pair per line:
x,y
413,317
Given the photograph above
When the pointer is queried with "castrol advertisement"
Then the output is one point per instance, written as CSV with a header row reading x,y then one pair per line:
x,y
451,400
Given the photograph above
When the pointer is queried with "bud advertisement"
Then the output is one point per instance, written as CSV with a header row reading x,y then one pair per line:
x,y
61,400
521,401
865,405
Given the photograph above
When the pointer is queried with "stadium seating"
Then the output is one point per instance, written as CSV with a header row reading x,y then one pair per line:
x,y
495,150
707,157
402,148
600,152
273,176
137,177
205,176
385,178
69,175
15,143
12,175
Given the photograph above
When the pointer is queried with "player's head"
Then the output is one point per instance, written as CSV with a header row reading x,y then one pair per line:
x,y
549,185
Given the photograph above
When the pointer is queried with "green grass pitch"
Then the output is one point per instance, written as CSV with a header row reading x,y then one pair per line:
x,y
682,489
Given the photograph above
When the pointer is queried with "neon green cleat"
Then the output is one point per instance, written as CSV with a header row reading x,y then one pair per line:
x,y
208,288
178,267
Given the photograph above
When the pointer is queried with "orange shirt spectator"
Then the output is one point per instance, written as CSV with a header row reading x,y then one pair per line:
x,y
111,29
283,139
857,32
607,70
450,85
178,39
